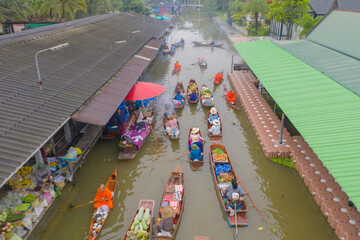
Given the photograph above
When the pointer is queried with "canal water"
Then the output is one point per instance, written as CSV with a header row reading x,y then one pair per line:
x,y
278,192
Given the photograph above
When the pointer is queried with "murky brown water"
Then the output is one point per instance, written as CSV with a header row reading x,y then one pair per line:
x,y
288,208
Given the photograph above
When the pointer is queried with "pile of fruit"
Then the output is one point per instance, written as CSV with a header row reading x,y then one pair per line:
x,y
225,177
3,216
25,183
25,170
220,157
14,217
6,228
140,226
16,179
22,207
29,198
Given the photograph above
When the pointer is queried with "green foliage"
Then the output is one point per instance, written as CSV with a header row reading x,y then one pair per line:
x,y
237,10
288,11
15,10
134,6
307,22
256,7
62,8
284,161
209,6
262,30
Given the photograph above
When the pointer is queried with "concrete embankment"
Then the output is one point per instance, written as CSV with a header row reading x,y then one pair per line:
x,y
334,202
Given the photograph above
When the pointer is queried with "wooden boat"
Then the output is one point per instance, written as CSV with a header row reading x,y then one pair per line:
x,y
214,138
220,81
146,204
166,118
196,165
234,106
178,44
192,81
180,87
204,44
202,63
110,132
176,181
130,151
111,185
174,71
202,97
241,213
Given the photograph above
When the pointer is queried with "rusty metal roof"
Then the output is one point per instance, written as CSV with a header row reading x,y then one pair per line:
x,y
29,116
99,109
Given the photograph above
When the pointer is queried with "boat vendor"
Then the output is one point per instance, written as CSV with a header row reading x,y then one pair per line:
x,y
179,97
173,47
215,128
218,78
213,115
182,41
166,46
43,175
195,153
168,111
177,66
196,140
234,188
193,95
171,126
166,224
195,132
103,197
212,43
230,97
207,101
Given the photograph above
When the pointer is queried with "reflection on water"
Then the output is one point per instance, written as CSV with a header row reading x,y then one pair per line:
x,y
279,193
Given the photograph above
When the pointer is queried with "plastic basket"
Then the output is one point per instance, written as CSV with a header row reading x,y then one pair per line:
x,y
14,186
60,184
18,223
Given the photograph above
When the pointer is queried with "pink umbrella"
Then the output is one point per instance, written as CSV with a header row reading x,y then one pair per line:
x,y
144,90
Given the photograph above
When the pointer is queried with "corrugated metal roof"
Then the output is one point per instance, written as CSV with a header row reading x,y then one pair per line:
x,y
325,113
29,116
321,7
340,32
99,109
343,69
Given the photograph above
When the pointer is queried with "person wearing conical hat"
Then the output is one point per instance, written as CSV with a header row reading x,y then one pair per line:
x,y
195,132
196,140
215,129
213,115
195,153
166,224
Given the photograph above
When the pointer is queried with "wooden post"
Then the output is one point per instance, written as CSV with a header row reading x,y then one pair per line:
x,y
282,127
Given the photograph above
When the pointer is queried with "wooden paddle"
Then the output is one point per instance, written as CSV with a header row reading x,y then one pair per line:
x,y
179,157
252,201
159,127
68,209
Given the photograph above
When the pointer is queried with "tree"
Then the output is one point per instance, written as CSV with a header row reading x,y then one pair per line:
x,y
307,23
288,11
255,7
62,8
134,6
14,10
237,10
209,6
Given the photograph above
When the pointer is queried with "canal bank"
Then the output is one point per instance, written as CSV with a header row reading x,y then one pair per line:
x,y
277,191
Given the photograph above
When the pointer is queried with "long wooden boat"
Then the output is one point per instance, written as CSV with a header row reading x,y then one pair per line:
x,y
192,81
196,165
178,44
175,182
234,106
214,138
130,152
111,185
241,213
146,204
202,63
180,87
165,119
202,97
204,44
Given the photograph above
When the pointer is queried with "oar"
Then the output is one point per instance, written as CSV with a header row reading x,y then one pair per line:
x,y
159,127
67,209
179,157
236,230
251,200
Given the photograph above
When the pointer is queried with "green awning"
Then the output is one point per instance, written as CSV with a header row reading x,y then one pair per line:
x,y
325,113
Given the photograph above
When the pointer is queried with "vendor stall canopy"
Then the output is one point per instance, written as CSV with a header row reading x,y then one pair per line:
x,y
323,111
97,51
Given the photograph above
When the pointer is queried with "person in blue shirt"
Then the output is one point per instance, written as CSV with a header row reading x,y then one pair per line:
x,y
195,153
182,41
179,97
213,115
196,140
173,47
193,95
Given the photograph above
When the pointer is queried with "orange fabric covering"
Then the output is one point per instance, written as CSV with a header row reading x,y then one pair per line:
x,y
230,96
105,194
177,66
218,77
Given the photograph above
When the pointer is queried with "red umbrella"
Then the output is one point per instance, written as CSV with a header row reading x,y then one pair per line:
x,y
144,90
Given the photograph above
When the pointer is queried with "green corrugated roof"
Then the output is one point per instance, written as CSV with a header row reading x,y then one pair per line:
x,y
325,113
341,68
339,31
